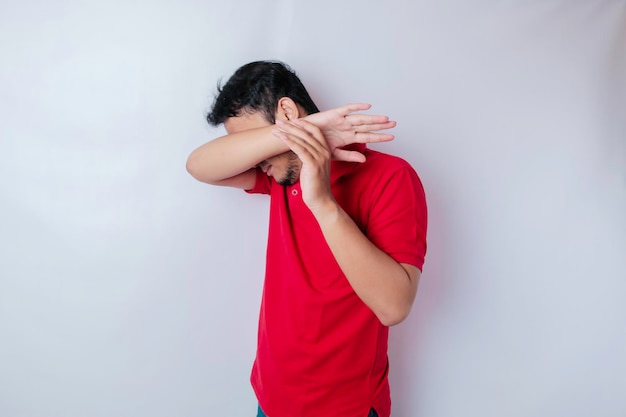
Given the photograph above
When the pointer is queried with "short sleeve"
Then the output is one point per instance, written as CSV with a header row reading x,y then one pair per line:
x,y
398,217
262,184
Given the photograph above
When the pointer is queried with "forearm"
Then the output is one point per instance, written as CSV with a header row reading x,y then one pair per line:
x,y
230,155
385,286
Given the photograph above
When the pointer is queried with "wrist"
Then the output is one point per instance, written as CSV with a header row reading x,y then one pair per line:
x,y
326,212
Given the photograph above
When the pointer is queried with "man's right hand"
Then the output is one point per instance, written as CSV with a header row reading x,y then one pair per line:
x,y
340,128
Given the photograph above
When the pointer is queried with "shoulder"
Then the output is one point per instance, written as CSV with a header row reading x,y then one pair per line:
x,y
390,180
381,176
377,158
384,166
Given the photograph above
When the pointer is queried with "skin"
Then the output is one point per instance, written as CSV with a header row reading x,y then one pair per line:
x,y
284,167
229,160
387,287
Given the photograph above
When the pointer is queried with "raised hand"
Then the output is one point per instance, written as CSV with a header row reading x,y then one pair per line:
x,y
307,141
341,127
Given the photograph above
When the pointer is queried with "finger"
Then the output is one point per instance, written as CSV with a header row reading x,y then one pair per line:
x,y
291,128
375,127
366,119
352,107
306,153
348,156
367,137
304,130
306,147
312,130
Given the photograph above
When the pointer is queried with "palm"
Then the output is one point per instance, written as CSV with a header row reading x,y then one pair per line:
x,y
340,128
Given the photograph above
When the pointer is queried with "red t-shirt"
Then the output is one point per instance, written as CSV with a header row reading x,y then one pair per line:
x,y
321,350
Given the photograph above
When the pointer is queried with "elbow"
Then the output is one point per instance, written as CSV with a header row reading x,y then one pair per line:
x,y
395,309
192,166
197,169
394,315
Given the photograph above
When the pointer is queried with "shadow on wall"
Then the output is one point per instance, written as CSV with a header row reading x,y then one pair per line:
x,y
408,341
615,89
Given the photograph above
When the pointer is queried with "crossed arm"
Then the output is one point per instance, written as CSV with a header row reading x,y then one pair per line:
x,y
387,287
229,160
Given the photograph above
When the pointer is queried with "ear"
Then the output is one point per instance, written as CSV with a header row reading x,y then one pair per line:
x,y
287,109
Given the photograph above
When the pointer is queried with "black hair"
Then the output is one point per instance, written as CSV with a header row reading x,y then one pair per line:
x,y
257,87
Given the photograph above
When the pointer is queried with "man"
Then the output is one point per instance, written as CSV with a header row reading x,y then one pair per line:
x,y
347,240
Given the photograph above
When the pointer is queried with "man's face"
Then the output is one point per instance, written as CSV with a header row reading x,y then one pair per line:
x,y
285,168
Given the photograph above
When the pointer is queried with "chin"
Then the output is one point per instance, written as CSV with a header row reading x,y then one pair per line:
x,y
286,181
291,176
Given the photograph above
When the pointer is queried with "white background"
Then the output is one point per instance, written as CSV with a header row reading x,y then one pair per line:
x,y
129,289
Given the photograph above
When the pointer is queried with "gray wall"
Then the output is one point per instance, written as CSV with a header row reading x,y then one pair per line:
x,y
129,289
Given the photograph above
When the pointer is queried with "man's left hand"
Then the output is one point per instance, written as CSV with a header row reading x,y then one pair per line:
x,y
306,140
